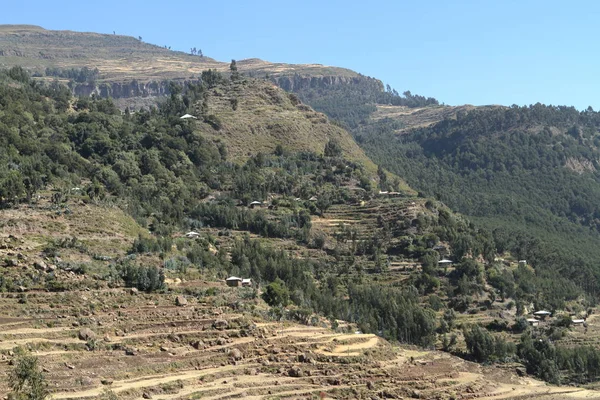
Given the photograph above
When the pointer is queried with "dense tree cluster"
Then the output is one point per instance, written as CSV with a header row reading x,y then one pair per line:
x,y
351,102
527,174
79,75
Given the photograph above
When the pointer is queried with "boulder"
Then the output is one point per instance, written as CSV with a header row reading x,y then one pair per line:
x,y
40,265
181,301
86,334
295,372
236,354
220,324
198,344
133,291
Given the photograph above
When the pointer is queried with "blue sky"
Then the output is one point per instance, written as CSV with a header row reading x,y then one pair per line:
x,y
475,52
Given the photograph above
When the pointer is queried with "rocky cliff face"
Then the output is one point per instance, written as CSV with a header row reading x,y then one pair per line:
x,y
126,90
291,83
295,83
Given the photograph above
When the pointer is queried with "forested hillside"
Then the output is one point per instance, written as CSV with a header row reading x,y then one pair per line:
x,y
172,174
528,174
306,215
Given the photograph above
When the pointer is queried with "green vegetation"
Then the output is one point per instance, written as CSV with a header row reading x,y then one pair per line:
x,y
26,380
174,175
164,168
351,101
527,174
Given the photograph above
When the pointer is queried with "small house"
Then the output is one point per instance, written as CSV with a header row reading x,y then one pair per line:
x,y
522,263
233,281
246,282
192,235
314,198
255,204
533,322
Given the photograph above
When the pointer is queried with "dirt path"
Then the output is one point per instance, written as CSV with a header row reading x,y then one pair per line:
x,y
349,350
20,342
29,331
265,382
146,381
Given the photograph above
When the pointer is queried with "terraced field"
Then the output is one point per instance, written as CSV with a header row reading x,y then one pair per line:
x,y
146,346
95,341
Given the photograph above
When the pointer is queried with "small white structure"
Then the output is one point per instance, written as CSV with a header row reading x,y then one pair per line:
x,y
542,313
578,321
383,192
445,261
523,263
192,235
187,116
233,281
314,198
255,204
246,282
533,322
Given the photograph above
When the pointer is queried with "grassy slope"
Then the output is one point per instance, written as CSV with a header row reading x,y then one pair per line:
x,y
123,58
267,116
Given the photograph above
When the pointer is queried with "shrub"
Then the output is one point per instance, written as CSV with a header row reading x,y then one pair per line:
x,y
26,380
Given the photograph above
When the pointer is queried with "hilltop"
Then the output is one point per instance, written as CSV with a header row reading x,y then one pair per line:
x,y
265,116
123,58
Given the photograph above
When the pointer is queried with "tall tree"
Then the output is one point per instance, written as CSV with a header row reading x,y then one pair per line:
x,y
235,75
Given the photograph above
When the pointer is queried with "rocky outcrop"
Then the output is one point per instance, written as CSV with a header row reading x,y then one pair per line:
x,y
125,90
290,83
295,83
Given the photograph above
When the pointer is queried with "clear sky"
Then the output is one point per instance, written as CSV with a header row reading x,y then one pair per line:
x,y
464,51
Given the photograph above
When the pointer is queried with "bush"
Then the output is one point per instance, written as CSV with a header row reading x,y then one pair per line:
x,y
276,294
147,279
484,347
26,380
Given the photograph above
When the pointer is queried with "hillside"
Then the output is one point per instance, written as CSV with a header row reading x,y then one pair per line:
x,y
93,338
123,59
97,200
529,174
265,117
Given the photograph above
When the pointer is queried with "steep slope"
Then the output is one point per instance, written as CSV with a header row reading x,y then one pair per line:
x,y
264,116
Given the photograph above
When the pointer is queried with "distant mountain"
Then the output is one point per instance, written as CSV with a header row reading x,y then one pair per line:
x,y
124,67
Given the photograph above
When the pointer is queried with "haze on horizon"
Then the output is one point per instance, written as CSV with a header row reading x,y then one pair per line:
x,y
461,52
